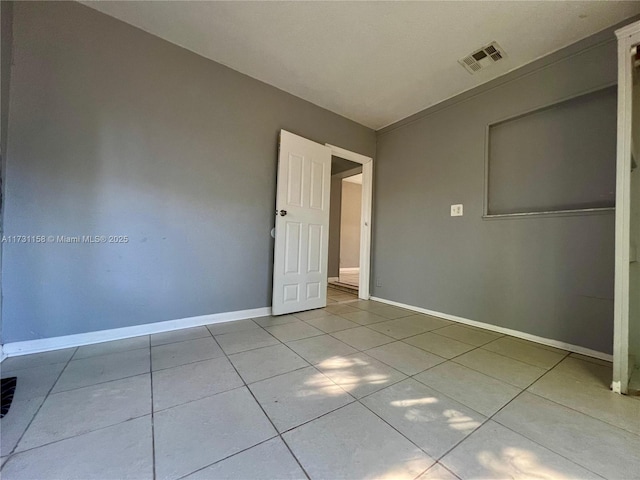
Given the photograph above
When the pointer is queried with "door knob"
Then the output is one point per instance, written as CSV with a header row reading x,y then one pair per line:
x,y
283,213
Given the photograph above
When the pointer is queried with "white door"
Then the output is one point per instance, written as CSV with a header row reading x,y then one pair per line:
x,y
302,225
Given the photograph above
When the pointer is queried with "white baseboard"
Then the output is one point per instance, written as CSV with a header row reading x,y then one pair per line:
x,y
55,343
507,331
2,354
334,279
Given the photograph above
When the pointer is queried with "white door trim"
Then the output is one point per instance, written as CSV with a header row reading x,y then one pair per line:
x,y
627,38
365,215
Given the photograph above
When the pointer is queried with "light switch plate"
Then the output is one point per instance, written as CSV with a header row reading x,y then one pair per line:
x,y
456,210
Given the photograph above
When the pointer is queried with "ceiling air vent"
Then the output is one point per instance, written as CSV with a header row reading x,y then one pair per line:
x,y
483,58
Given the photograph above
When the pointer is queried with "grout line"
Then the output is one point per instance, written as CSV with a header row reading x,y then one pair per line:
x,y
262,409
350,402
411,376
224,354
208,359
475,347
80,434
531,393
46,396
13,452
245,384
286,444
13,370
280,434
424,471
442,465
153,428
227,457
358,349
549,449
578,411
487,418
508,358
354,400
394,428
521,361
183,340
491,418
161,410
73,359
592,360
98,383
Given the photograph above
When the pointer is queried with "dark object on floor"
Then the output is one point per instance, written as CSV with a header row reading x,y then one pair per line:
x,y
8,388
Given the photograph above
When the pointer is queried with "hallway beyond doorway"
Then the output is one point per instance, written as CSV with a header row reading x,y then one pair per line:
x,y
347,281
350,276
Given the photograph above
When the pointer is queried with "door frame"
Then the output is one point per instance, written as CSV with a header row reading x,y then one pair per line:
x,y
365,214
627,37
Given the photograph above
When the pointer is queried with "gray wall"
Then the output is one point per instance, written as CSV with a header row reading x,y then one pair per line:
x,y
350,224
6,30
113,131
6,47
551,276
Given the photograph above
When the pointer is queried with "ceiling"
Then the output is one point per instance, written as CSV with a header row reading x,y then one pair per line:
x,y
339,165
373,62
354,179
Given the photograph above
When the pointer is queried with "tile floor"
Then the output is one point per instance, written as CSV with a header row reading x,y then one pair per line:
x,y
356,390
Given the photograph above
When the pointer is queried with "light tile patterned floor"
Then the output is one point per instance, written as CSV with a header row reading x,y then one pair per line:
x,y
356,390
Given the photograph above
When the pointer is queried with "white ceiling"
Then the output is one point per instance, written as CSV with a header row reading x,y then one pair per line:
x,y
354,179
373,62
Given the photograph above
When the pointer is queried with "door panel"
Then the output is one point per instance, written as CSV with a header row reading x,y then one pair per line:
x,y
292,248
295,180
317,184
314,257
302,225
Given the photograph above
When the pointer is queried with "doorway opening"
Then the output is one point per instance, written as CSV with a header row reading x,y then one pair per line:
x,y
344,225
302,217
634,230
364,167
626,338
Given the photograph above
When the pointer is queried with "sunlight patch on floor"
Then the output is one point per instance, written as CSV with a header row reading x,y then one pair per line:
x,y
319,385
344,373
460,421
336,363
514,462
414,402
425,410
